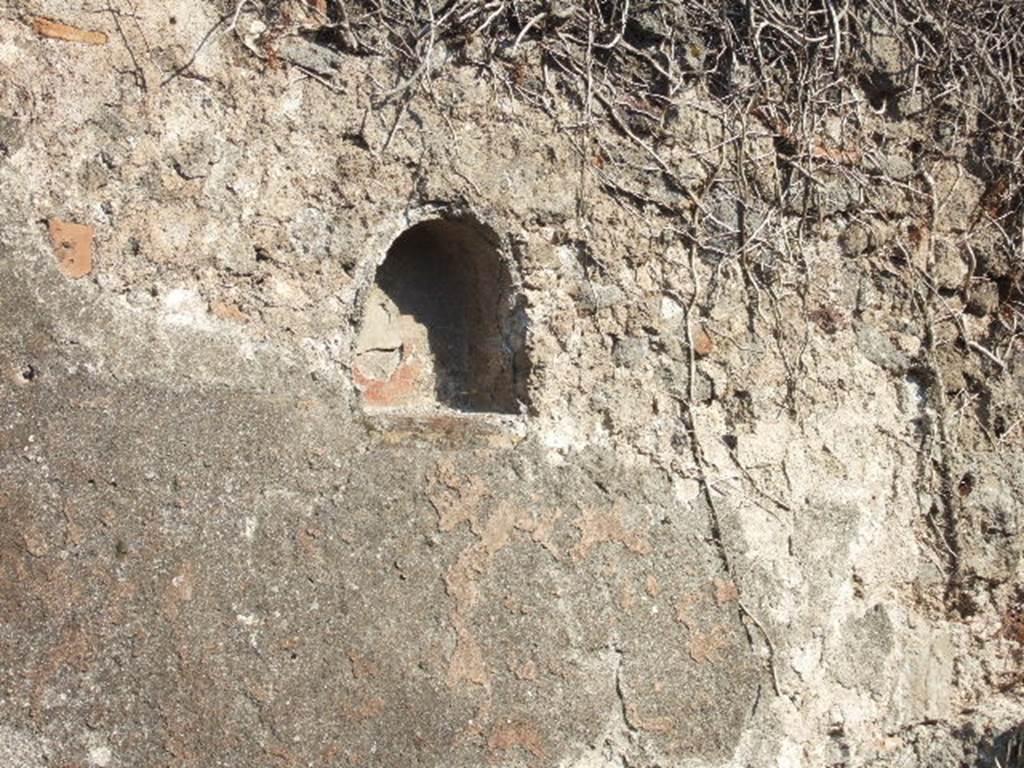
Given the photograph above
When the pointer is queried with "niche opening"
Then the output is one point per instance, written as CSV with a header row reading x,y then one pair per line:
x,y
441,325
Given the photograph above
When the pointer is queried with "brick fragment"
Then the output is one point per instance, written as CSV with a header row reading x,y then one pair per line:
x,y
72,244
58,31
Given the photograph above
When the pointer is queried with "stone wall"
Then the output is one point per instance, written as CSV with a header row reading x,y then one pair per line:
x,y
736,508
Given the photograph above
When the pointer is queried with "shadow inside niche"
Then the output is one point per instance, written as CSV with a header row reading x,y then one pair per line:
x,y
1005,751
439,326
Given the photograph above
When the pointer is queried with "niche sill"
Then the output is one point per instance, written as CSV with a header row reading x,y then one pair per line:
x,y
443,426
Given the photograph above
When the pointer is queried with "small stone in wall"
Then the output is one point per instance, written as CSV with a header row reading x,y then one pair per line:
x,y
630,352
12,135
984,298
703,344
880,350
855,240
226,311
72,244
950,271
958,194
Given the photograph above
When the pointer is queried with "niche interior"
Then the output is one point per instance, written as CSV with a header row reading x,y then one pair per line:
x,y
442,327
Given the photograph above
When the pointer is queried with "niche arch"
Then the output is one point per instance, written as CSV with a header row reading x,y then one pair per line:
x,y
442,325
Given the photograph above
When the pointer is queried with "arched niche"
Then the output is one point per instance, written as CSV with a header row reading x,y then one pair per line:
x,y
442,326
